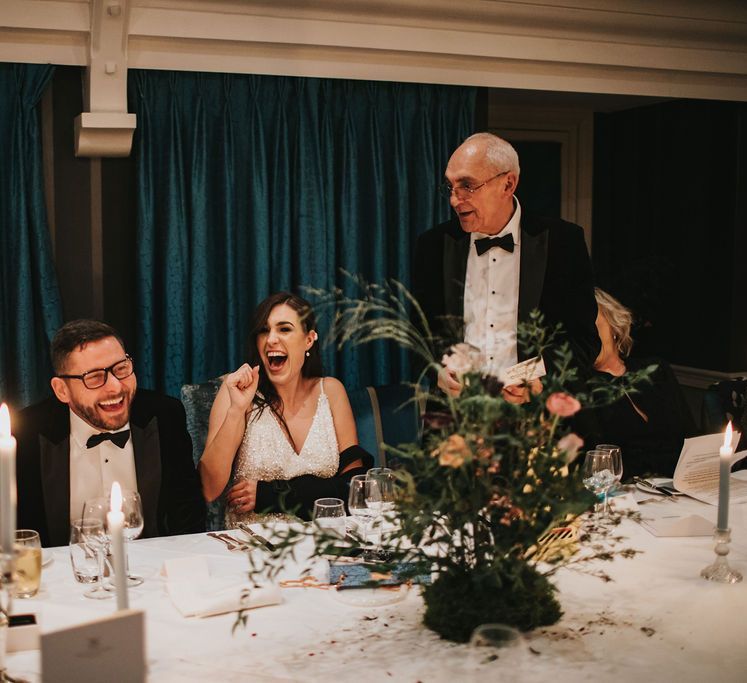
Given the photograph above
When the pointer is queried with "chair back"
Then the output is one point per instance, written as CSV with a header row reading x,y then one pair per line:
x,y
386,414
198,400
723,401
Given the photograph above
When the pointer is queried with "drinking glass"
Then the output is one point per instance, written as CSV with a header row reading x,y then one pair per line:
x,y
385,479
28,563
83,556
497,652
617,463
132,507
364,503
329,515
598,474
94,531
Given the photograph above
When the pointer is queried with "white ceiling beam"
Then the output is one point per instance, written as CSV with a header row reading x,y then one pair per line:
x,y
668,48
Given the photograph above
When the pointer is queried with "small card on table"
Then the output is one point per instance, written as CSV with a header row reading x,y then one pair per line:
x,y
108,649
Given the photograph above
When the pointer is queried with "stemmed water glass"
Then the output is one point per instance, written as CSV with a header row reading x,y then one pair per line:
x,y
385,480
617,463
364,503
329,516
94,532
132,507
598,475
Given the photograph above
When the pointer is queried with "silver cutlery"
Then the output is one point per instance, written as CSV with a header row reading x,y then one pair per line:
x,y
647,483
255,536
230,543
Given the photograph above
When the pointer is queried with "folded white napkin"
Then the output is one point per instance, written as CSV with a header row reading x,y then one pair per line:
x,y
195,594
219,596
678,525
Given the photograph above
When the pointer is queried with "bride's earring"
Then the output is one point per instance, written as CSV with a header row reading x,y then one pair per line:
x,y
307,354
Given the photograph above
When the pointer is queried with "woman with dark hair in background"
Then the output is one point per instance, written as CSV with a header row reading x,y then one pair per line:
x,y
650,424
285,432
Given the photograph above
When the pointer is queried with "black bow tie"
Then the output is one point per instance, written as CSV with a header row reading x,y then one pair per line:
x,y
506,242
117,438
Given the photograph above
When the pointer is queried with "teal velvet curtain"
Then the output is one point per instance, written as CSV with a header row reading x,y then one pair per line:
x,y
252,184
30,306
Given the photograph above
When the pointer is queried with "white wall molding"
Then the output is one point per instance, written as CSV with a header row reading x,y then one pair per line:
x,y
671,48
105,129
701,378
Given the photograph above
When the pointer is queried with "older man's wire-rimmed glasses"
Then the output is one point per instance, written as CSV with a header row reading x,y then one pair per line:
x,y
93,379
464,191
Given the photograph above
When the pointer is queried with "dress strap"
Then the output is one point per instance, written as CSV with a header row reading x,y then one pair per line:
x,y
321,386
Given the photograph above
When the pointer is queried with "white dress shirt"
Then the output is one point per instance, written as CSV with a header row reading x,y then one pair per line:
x,y
491,298
92,470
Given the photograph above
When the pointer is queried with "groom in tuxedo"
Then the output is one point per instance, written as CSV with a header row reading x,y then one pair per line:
x,y
493,263
101,428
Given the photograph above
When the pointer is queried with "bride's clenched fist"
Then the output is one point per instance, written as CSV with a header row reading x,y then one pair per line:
x,y
242,386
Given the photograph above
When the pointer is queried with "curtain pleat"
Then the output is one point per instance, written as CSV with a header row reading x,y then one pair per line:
x,y
251,184
30,305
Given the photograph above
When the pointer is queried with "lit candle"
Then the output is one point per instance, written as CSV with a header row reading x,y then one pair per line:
x,y
7,483
115,523
725,453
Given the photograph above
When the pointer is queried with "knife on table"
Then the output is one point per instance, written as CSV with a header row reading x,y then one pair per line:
x,y
255,536
650,485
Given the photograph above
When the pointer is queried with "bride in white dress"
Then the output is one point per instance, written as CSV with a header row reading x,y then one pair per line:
x,y
284,434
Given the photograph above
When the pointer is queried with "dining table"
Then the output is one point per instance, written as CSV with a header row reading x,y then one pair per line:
x,y
646,617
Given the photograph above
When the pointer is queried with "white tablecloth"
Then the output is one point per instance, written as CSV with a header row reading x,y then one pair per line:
x,y
656,619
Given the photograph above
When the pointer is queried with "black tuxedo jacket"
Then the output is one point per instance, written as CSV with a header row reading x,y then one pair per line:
x,y
167,480
555,277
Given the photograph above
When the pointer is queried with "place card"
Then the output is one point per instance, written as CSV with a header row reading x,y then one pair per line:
x,y
23,633
526,371
107,649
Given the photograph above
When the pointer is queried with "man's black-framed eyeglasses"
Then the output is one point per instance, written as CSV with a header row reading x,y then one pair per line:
x,y
464,191
93,379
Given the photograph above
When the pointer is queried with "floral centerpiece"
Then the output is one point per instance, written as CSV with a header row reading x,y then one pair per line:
x,y
488,479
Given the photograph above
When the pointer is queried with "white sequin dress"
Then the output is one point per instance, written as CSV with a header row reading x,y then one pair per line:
x,y
266,453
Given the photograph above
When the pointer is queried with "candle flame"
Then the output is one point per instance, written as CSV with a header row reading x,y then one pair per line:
x,y
116,497
727,436
4,420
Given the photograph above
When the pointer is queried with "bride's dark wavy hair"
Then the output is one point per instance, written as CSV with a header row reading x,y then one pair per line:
x,y
312,366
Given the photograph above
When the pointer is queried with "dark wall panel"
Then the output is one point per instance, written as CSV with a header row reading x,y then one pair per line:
x,y
668,213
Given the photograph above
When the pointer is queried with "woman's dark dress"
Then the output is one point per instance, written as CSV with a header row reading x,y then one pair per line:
x,y
648,447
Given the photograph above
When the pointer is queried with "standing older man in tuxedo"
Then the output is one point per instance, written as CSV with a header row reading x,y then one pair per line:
x,y
492,264
100,428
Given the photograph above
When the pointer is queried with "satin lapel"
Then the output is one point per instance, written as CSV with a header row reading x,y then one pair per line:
x,y
456,250
532,271
147,448
55,480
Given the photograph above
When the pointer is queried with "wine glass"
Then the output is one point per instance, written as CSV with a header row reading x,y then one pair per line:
x,y
93,531
598,475
617,463
385,480
329,515
495,650
364,503
132,507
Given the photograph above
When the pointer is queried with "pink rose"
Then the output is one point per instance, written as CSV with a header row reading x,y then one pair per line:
x,y
562,404
463,358
570,444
